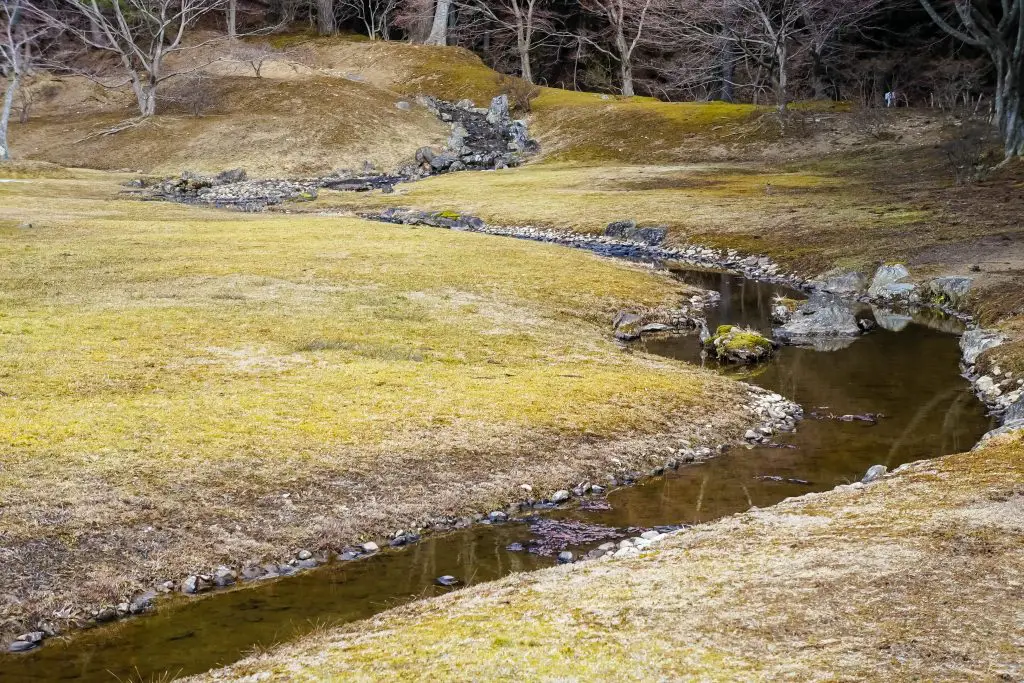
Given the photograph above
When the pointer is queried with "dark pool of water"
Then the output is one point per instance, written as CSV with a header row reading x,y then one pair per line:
x,y
910,376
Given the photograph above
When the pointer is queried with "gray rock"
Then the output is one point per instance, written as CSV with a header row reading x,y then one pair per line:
x,y
348,555
22,646
651,328
196,583
560,496
627,325
447,580
650,535
424,155
497,516
308,563
370,547
823,315
32,637
106,614
224,576
565,557
843,282
253,572
403,105
888,282
620,229
142,603
304,555
1015,413
874,472
497,113
465,104
976,341
953,289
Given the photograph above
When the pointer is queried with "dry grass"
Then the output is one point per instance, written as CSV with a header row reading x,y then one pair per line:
x,y
802,218
914,578
169,373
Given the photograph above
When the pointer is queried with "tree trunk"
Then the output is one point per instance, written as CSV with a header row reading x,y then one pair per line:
x,y
625,63
232,14
439,29
781,82
726,91
5,115
523,47
325,17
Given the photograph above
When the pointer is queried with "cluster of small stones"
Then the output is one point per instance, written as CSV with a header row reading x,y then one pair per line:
x,y
630,242
481,138
631,547
233,190
1000,390
775,414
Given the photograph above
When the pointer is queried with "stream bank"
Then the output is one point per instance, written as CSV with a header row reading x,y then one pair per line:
x,y
927,412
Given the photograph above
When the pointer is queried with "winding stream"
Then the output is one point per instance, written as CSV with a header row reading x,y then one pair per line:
x,y
910,376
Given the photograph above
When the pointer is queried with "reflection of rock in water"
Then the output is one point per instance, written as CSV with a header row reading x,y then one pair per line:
x,y
888,320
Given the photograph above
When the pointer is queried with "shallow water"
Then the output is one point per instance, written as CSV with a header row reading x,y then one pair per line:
x,y
910,376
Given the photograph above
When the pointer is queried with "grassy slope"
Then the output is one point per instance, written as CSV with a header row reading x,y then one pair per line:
x,y
912,578
187,367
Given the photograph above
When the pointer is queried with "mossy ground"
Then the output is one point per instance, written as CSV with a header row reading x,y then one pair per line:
x,y
169,373
914,577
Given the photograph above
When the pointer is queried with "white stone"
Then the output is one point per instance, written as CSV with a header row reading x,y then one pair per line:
x,y
370,547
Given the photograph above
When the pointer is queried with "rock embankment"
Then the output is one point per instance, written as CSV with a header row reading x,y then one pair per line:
x,y
481,139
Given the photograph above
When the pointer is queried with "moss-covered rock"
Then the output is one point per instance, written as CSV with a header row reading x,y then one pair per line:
x,y
739,345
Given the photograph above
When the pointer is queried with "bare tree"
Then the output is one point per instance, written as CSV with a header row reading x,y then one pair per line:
x,y
998,30
141,33
526,21
439,29
627,21
232,19
325,25
17,37
376,15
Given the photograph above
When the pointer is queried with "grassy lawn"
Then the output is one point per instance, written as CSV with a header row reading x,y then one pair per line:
x,y
911,578
168,374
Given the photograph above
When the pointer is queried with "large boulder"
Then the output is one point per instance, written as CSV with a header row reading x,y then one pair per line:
x,y
843,282
734,344
627,325
498,113
888,282
976,341
628,230
951,289
824,316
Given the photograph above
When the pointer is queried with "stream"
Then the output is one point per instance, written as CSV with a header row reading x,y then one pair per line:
x,y
909,373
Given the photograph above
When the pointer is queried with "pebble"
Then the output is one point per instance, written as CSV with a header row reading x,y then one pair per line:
x,y
497,516
565,557
560,496
874,472
22,646
649,535
628,551
304,555
370,547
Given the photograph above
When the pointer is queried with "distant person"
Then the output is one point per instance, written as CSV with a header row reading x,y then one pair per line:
x,y
890,99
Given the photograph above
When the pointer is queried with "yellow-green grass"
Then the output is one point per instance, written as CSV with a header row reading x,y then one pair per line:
x,y
803,219
916,577
168,373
